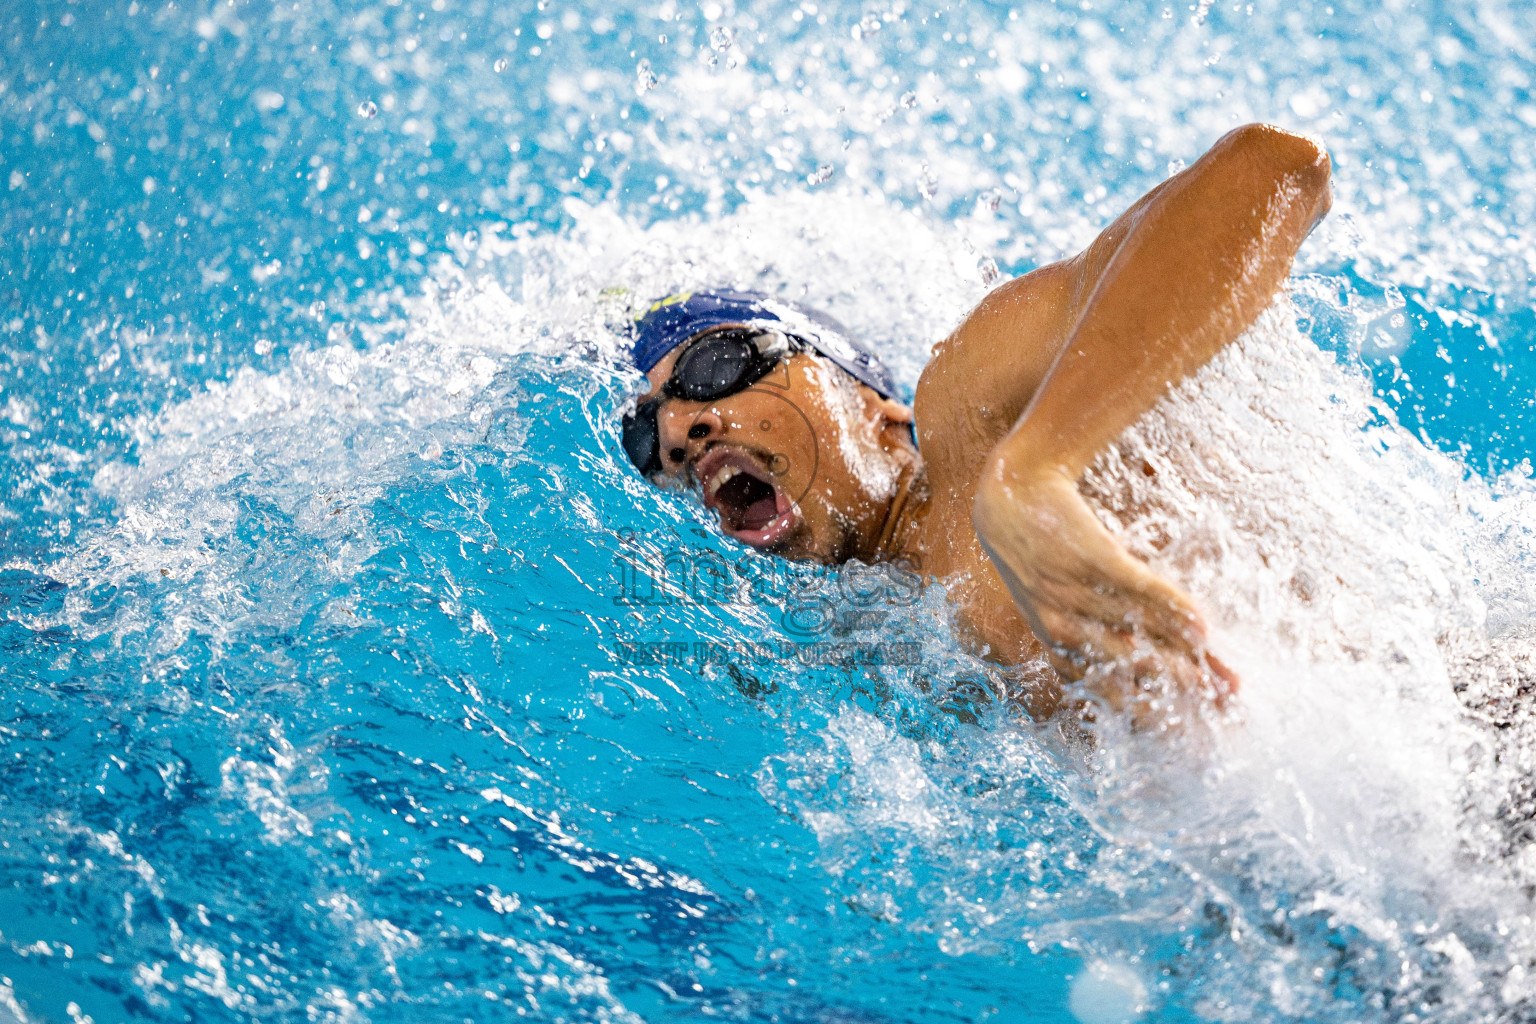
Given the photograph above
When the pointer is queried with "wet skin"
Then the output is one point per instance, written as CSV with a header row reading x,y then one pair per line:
x,y
1015,404
810,434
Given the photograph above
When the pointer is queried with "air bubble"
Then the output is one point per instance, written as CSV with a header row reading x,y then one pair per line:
x,y
367,108
500,65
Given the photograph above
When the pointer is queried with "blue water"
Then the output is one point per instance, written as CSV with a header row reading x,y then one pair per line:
x,y
349,673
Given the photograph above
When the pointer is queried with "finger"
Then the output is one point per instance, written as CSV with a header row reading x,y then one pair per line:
x,y
1129,670
1152,608
1139,682
1065,643
1120,590
1076,658
1230,682
1067,663
1163,611
1096,619
1085,639
1115,648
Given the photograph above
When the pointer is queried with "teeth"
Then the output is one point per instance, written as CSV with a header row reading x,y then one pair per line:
x,y
720,478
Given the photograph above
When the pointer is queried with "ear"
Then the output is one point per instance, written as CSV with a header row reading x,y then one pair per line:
x,y
888,408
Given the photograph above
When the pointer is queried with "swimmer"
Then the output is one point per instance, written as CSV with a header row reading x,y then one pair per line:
x,y
795,437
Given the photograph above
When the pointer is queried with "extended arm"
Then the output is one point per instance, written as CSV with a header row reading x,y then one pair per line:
x,y
1183,273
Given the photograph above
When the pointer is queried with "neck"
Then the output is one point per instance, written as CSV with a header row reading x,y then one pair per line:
x,y
898,532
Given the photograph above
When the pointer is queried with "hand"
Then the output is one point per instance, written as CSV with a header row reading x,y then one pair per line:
x,y
1107,620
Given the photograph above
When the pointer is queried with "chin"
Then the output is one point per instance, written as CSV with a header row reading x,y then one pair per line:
x,y
798,546
831,547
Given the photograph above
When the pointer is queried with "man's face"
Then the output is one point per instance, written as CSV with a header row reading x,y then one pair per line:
x,y
803,464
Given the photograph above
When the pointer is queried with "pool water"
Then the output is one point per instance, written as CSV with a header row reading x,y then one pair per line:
x,y
350,673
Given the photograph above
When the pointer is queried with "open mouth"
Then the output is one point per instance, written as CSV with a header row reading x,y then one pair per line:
x,y
751,505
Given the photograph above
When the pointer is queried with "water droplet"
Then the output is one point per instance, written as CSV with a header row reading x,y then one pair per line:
x,y
500,65
927,182
367,108
721,39
820,174
991,199
987,267
1107,993
645,78
869,25
266,100
909,100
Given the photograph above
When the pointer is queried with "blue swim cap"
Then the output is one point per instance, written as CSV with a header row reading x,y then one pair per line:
x,y
673,320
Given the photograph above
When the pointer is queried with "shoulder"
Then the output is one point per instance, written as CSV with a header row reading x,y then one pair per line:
x,y
1021,302
981,377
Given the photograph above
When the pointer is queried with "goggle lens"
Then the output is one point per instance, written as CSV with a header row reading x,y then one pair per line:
x,y
713,366
716,366
642,442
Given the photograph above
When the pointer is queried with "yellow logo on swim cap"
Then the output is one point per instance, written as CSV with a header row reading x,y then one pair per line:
x,y
670,300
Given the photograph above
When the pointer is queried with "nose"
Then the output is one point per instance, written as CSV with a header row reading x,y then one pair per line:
x,y
683,428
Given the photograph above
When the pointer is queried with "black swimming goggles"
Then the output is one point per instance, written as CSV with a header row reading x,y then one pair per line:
x,y
714,365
